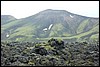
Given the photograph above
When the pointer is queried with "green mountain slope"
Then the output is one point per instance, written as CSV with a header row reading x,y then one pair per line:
x,y
50,23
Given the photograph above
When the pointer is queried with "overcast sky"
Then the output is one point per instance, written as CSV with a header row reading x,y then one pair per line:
x,y
21,9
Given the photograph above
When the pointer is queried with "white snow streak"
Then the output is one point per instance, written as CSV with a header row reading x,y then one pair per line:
x,y
7,35
71,16
50,26
45,29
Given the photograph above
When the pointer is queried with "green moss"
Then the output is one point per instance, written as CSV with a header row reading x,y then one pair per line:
x,y
40,44
26,50
31,62
49,47
59,40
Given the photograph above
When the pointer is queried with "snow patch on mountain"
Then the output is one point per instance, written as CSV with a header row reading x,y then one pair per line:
x,y
7,35
71,16
50,26
45,29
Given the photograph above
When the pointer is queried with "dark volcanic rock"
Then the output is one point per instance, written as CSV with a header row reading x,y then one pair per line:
x,y
53,53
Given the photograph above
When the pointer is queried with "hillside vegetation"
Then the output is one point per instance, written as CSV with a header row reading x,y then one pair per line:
x,y
49,23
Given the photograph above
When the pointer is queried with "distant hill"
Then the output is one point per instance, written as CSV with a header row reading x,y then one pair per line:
x,y
6,19
50,23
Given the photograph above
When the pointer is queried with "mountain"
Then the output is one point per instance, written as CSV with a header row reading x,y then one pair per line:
x,y
6,18
51,23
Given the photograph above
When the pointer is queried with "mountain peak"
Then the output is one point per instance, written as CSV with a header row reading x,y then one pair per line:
x,y
48,10
55,10
52,11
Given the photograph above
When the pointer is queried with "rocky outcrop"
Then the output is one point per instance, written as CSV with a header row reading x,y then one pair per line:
x,y
52,53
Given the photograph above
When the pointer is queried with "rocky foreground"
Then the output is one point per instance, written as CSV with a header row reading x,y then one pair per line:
x,y
52,53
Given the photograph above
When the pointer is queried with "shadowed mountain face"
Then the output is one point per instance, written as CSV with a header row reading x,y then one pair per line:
x,y
50,23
